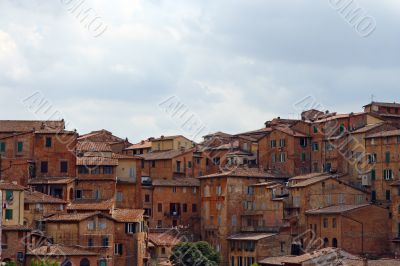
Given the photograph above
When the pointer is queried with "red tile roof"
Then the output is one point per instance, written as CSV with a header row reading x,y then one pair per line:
x,y
144,144
50,180
90,146
71,217
312,181
95,161
164,155
15,228
10,186
177,182
336,209
30,125
59,250
90,206
243,172
164,239
128,215
38,197
383,134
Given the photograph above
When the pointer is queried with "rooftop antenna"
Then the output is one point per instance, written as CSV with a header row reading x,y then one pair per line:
x,y
372,97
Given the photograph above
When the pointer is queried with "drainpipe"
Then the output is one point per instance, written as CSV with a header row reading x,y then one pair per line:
x,y
362,231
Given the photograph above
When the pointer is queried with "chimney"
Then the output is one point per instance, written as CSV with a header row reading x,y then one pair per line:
x,y
162,136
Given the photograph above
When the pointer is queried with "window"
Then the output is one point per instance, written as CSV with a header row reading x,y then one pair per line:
x,y
325,222
163,251
189,164
273,143
372,158
9,195
194,190
342,127
107,170
90,242
104,241
184,207
273,157
219,190
142,163
130,228
132,172
250,190
9,214
174,189
153,163
282,143
48,142
388,174
234,220
303,156
159,207
373,195
2,146
78,194
178,166
387,157
20,146
334,222
194,208
315,146
282,157
44,167
96,194
64,167
315,128
217,160
91,225
334,243
388,196
373,174
147,198
83,169
159,223
118,249
119,196
303,142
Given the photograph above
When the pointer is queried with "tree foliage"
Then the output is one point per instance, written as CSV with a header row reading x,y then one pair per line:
x,y
195,253
46,262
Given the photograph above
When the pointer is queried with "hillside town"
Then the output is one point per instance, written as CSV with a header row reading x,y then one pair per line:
x,y
323,189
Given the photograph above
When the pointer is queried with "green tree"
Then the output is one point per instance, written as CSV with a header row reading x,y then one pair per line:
x,y
11,263
45,262
195,253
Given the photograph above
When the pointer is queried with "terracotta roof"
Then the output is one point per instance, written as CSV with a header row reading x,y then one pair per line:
x,y
95,161
311,181
338,116
275,260
306,176
71,217
177,182
336,209
218,134
271,184
123,156
90,205
85,146
164,155
331,252
10,186
382,134
250,236
164,239
50,180
128,215
38,197
144,144
15,228
168,137
385,104
367,128
29,125
59,250
243,172
290,131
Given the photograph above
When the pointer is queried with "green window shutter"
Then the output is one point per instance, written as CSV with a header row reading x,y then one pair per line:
x,y
20,146
315,129
9,195
387,157
341,127
373,174
9,214
2,147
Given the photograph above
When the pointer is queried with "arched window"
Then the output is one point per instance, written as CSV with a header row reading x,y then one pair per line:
x,y
334,243
84,262
326,242
103,262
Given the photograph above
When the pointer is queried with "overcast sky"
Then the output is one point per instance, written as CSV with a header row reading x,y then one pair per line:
x,y
233,64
